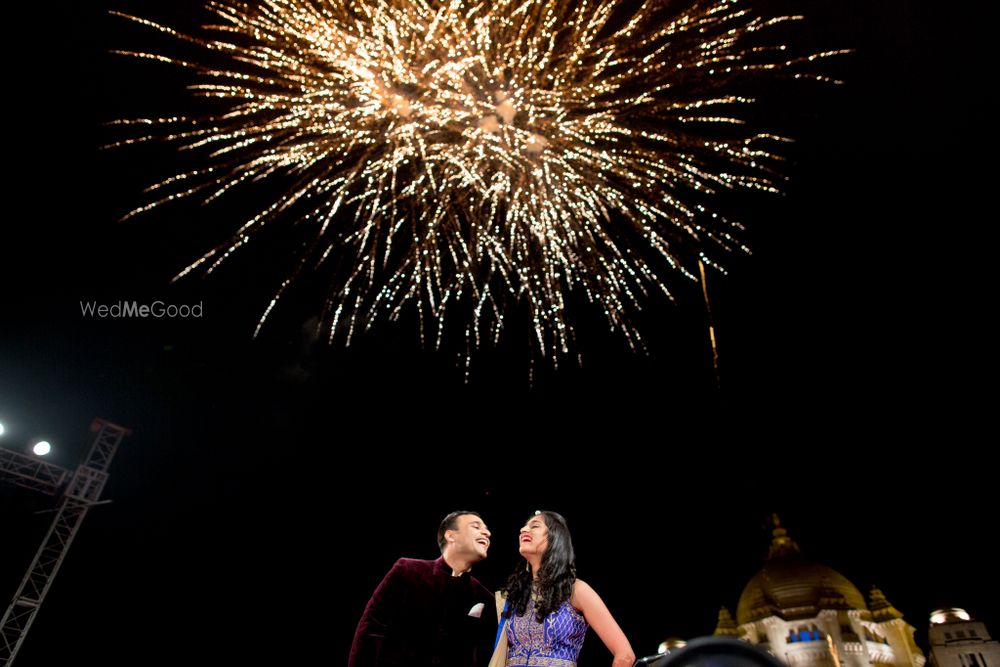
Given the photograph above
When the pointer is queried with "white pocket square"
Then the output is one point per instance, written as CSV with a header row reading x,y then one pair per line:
x,y
477,610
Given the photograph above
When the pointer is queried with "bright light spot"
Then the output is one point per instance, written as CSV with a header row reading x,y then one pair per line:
x,y
41,448
489,124
953,614
506,111
401,105
1,428
671,644
536,143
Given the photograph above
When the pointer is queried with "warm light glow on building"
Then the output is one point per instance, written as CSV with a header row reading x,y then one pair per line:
x,y
939,616
671,644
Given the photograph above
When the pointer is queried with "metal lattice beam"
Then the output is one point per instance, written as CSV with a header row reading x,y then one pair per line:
x,y
31,472
82,492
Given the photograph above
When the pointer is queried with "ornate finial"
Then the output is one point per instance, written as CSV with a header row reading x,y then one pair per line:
x,y
727,626
881,608
781,544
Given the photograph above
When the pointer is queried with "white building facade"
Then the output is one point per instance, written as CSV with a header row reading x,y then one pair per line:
x,y
957,640
809,615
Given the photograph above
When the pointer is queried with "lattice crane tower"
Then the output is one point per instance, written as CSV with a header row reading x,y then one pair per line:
x,y
81,493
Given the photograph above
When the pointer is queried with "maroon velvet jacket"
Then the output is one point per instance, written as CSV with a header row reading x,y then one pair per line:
x,y
419,617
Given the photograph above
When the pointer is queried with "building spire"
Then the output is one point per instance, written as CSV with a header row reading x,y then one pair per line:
x,y
727,626
781,543
882,609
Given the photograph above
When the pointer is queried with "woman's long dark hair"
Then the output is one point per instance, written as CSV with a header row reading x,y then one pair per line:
x,y
555,577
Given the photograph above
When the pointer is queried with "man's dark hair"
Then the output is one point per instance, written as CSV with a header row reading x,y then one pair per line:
x,y
450,522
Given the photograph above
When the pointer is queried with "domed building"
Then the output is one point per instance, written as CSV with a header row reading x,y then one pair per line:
x,y
809,615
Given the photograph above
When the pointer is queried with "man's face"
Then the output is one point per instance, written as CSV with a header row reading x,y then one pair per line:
x,y
471,537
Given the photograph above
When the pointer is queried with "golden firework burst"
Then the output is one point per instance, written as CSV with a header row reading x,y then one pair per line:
x,y
462,157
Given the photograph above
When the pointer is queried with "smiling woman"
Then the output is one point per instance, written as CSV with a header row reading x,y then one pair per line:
x,y
548,608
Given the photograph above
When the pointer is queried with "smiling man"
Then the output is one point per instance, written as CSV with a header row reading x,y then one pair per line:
x,y
432,612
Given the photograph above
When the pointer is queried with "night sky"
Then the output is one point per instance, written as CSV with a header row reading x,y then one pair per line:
x,y
271,482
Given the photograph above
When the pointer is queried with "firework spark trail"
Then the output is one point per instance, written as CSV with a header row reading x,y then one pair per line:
x,y
463,157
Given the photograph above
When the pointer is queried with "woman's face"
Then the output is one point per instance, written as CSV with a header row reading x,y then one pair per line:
x,y
534,537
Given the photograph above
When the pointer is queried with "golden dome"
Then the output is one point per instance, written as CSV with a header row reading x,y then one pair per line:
x,y
790,586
